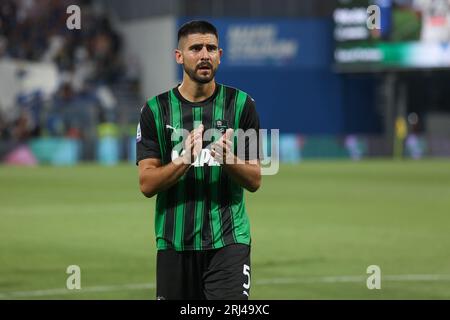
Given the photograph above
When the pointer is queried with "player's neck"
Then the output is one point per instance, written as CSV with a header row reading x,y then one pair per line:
x,y
196,92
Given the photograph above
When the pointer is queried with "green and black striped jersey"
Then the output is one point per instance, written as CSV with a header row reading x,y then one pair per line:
x,y
205,209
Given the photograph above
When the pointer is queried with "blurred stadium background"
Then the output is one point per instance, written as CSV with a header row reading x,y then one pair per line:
x,y
364,119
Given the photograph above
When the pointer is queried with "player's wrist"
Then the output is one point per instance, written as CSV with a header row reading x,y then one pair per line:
x,y
231,160
189,159
182,161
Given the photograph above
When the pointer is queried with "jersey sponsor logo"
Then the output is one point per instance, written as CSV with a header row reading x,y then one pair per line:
x,y
204,158
138,133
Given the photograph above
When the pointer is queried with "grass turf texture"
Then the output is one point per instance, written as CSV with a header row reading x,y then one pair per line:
x,y
310,223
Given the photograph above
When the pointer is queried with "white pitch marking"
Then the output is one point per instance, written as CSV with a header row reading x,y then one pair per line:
x,y
51,292
273,281
335,279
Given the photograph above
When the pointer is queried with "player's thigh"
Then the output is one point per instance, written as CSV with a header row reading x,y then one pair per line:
x,y
228,275
178,276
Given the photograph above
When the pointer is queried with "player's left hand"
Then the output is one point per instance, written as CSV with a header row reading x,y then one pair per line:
x,y
222,150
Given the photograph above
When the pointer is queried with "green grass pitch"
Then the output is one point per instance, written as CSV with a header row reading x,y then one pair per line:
x,y
316,227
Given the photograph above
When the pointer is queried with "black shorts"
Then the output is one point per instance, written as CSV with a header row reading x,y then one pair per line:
x,y
218,274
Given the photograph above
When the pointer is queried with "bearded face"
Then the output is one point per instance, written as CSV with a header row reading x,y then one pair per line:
x,y
200,56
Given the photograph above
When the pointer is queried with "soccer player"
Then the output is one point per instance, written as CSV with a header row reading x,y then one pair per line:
x,y
201,224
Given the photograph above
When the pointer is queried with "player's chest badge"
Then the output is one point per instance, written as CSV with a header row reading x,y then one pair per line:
x,y
221,125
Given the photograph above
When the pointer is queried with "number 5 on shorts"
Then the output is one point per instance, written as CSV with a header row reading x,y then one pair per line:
x,y
246,272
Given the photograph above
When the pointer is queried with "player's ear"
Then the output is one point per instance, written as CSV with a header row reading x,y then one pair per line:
x,y
178,56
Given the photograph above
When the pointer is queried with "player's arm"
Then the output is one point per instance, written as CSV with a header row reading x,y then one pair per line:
x,y
245,173
153,176
244,169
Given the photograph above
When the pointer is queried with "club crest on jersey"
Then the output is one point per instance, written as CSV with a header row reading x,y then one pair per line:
x,y
221,125
138,133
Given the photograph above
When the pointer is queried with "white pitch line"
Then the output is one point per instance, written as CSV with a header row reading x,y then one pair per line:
x,y
51,292
335,279
273,281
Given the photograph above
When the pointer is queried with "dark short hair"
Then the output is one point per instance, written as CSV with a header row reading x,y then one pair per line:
x,y
197,26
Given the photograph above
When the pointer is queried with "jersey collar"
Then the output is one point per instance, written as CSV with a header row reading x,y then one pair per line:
x,y
199,103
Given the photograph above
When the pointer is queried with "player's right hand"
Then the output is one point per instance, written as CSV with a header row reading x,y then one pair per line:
x,y
193,145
